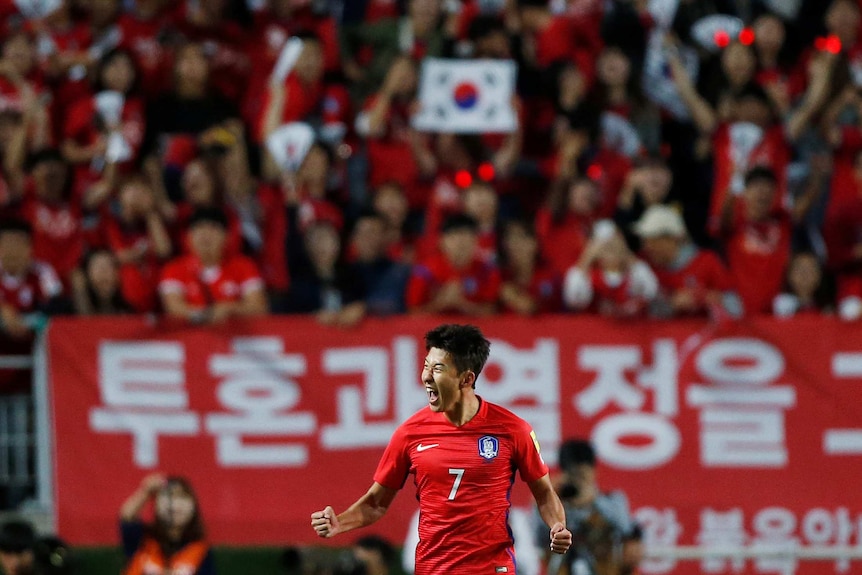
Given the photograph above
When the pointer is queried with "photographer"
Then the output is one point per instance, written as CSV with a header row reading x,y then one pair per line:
x,y
606,538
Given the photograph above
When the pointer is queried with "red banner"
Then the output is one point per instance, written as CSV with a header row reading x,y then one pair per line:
x,y
742,434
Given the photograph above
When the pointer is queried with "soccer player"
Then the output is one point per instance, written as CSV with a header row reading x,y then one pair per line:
x,y
463,453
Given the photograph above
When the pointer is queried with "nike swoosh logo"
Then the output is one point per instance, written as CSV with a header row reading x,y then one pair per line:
x,y
421,447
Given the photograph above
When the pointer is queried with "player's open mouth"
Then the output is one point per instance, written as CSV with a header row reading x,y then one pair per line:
x,y
432,394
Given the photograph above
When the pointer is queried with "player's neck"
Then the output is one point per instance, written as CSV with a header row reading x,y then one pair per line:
x,y
464,411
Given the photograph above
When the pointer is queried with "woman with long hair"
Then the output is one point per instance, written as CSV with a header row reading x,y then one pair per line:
x,y
174,542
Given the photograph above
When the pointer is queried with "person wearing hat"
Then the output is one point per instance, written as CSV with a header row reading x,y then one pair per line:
x,y
206,285
606,539
16,548
457,279
692,281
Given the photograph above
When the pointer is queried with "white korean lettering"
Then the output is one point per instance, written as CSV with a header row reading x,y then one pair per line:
x,y
142,386
722,529
260,388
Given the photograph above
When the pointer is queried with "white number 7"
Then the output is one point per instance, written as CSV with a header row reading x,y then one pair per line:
x,y
458,473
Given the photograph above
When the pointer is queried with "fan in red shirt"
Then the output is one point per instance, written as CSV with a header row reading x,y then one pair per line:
x,y
528,285
88,129
756,241
395,149
139,239
609,279
52,208
692,281
565,223
26,285
296,96
224,40
143,30
463,453
561,36
458,279
207,285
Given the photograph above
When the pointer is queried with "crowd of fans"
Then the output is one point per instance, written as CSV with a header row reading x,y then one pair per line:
x,y
135,175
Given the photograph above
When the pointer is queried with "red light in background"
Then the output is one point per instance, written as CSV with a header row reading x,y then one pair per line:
x,y
486,171
721,38
594,172
820,44
746,37
833,44
463,178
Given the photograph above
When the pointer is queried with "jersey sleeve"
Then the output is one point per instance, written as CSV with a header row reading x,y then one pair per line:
x,y
528,454
395,463
171,279
249,276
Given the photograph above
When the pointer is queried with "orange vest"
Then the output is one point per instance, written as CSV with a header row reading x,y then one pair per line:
x,y
149,560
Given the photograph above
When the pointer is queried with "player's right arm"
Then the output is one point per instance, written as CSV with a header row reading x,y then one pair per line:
x,y
367,509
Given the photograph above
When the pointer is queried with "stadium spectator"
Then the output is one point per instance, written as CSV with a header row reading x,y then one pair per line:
x,y
609,279
138,237
210,285
391,203
175,539
647,184
564,224
17,538
369,50
28,288
96,286
325,286
692,281
457,280
296,96
112,112
756,239
529,286
606,539
177,117
52,206
215,26
397,153
385,279
807,289
618,91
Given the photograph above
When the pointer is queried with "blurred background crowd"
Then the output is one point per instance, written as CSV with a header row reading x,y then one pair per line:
x,y
671,158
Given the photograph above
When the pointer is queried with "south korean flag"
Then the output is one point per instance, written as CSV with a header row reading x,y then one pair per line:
x,y
466,96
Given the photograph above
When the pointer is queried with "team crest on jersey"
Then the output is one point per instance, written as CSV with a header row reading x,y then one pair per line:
x,y
488,447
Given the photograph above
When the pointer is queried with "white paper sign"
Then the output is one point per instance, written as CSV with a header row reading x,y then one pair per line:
x,y
289,144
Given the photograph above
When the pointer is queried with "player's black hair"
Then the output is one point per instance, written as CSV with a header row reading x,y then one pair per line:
x,y
465,344
209,215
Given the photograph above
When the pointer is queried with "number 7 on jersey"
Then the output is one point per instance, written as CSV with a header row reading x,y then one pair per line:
x,y
458,473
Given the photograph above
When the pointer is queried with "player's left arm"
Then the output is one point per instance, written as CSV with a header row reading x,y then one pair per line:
x,y
552,512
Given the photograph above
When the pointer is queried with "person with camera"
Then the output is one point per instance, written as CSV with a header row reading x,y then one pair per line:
x,y
606,539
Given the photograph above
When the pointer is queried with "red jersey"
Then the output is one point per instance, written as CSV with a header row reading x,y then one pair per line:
x,y
143,39
480,280
29,292
757,255
202,286
772,152
58,237
700,270
390,156
138,281
463,477
562,242
544,288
